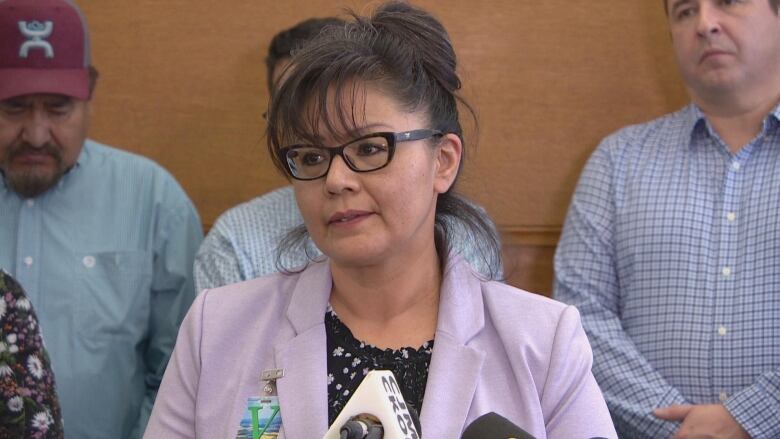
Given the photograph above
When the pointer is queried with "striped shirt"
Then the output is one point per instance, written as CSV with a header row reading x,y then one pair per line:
x,y
671,251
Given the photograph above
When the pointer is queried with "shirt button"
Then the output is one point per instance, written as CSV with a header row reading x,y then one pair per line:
x,y
30,203
735,166
731,216
722,331
89,261
28,261
726,271
723,397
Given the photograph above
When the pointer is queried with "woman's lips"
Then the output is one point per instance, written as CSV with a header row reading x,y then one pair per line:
x,y
348,217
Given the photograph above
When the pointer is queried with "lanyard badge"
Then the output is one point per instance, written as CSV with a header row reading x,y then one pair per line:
x,y
261,419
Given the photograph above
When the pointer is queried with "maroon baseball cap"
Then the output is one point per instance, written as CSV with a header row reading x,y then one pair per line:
x,y
44,48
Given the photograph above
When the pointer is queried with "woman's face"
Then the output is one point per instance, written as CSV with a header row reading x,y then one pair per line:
x,y
363,219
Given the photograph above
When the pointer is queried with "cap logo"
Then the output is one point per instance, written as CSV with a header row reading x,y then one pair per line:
x,y
35,32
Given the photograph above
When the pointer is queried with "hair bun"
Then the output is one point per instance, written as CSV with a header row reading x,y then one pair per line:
x,y
424,37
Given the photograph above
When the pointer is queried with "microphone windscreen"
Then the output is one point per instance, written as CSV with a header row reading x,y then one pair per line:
x,y
378,395
494,426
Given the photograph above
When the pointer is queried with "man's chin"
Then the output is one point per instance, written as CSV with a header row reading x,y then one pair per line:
x,y
31,184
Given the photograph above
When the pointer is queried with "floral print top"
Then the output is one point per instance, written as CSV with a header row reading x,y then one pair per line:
x,y
28,402
350,360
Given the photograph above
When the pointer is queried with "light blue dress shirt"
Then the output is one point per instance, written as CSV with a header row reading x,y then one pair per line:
x,y
671,251
242,244
105,257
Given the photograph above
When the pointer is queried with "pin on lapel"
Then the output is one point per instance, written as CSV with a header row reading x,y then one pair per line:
x,y
269,377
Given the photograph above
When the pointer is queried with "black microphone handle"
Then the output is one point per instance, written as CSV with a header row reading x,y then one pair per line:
x,y
494,426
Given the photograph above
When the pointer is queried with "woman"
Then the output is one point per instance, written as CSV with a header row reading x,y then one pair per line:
x,y
366,126
28,402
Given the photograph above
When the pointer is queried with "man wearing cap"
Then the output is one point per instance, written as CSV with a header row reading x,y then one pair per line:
x,y
102,240
671,248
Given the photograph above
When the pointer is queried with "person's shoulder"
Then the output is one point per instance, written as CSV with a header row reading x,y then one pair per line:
x,y
110,155
7,284
640,136
531,325
266,296
257,225
130,169
276,207
521,313
123,164
504,300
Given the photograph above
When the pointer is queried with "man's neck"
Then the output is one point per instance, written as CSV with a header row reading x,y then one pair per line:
x,y
737,117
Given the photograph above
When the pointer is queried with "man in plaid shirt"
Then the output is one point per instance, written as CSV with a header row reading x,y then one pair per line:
x,y
671,247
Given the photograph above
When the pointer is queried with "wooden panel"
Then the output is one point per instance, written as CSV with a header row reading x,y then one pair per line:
x,y
528,257
183,81
529,267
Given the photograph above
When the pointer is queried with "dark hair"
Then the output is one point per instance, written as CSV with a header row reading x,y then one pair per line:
x,y
93,77
285,42
774,4
405,52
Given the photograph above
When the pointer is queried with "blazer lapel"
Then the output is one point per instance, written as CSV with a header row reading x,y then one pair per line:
x,y
303,391
455,367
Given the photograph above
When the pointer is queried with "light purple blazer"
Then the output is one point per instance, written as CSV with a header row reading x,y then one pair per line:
x,y
497,349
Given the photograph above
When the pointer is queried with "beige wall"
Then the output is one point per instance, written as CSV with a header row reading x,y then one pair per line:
x,y
183,82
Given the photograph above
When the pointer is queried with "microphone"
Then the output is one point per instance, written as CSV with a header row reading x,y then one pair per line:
x,y
494,426
362,427
376,411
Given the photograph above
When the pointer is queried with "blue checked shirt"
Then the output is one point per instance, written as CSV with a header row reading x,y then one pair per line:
x,y
105,257
671,251
242,243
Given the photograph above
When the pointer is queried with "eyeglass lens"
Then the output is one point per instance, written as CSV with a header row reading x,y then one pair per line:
x,y
361,155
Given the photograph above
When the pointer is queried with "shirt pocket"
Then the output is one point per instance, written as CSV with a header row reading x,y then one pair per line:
x,y
114,296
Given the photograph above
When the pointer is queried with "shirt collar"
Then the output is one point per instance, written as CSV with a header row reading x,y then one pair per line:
x,y
774,115
696,123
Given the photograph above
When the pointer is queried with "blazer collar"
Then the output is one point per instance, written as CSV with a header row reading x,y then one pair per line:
x,y
453,372
455,367
303,391
310,297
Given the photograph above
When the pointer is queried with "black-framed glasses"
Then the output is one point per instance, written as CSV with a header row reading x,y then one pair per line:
x,y
364,154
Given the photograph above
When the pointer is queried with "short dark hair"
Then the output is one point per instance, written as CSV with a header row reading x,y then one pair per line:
x,y
774,4
407,53
285,42
93,78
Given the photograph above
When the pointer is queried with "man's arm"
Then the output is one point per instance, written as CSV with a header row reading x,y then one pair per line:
x,y
178,237
752,412
757,407
585,276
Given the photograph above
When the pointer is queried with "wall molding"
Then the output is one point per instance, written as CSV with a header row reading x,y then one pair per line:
x,y
537,236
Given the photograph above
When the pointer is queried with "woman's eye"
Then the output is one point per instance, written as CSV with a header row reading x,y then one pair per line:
x,y
312,158
370,148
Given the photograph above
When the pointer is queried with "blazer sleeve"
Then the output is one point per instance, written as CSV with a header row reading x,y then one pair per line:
x,y
572,401
173,416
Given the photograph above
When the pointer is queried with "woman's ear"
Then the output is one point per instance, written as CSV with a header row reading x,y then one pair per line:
x,y
448,154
